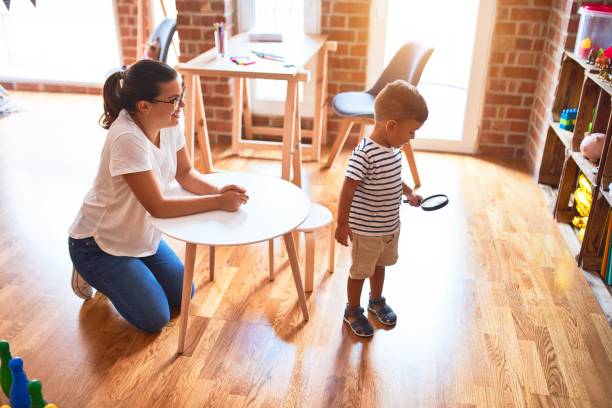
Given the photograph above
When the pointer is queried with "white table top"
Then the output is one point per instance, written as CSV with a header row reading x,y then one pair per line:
x,y
296,49
275,207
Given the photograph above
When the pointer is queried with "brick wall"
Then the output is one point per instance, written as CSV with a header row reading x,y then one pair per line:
x,y
127,13
195,21
563,19
517,51
346,22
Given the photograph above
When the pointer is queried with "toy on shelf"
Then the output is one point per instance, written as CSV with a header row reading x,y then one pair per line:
x,y
592,146
583,198
606,264
594,28
568,119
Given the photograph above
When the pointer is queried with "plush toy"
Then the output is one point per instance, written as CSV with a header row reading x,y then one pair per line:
x,y
592,146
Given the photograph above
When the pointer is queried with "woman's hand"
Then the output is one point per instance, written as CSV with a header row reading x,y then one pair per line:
x,y
231,200
343,233
232,187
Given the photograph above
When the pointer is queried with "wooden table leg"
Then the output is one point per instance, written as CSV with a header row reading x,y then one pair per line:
x,y
190,253
237,115
211,264
332,246
310,261
295,269
202,128
271,258
288,129
246,113
319,103
297,145
190,96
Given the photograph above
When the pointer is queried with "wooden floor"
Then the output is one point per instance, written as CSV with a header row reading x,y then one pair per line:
x,y
492,309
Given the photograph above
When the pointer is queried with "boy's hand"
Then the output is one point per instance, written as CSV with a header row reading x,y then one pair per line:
x,y
343,233
414,199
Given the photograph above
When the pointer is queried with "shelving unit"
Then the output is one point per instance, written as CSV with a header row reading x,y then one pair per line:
x,y
579,86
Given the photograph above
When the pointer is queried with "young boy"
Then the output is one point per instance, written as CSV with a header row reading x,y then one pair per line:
x,y
368,211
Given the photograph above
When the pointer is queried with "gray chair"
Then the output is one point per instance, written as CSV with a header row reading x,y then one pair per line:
x,y
163,37
358,107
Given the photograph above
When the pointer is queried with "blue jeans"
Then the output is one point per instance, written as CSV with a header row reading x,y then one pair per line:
x,y
141,289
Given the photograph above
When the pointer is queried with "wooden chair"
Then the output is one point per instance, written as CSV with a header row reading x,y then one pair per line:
x,y
358,107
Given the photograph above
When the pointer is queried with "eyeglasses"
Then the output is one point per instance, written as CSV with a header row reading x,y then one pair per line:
x,y
176,101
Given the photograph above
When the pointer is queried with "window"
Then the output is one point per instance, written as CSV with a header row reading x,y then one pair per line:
x,y
68,41
268,96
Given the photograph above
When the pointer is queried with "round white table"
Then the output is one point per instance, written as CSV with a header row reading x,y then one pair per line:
x,y
275,208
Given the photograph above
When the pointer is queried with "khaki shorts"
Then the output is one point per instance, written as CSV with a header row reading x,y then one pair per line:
x,y
368,252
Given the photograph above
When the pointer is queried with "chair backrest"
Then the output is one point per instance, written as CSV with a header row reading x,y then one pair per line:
x,y
407,64
163,36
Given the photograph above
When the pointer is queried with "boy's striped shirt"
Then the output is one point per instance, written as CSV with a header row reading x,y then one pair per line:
x,y
376,203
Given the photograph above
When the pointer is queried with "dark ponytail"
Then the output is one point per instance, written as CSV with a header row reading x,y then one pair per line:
x,y
124,89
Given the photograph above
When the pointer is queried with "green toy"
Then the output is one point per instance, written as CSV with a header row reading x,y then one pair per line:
x,y
6,379
35,389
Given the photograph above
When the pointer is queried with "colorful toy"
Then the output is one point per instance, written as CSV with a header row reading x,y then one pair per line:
x,y
585,48
20,397
592,146
568,119
35,390
583,198
5,372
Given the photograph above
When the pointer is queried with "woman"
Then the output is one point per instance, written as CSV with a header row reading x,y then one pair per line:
x,y
113,245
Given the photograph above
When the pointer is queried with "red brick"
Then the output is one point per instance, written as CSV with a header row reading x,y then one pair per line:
x,y
489,112
337,21
358,22
505,28
517,126
341,35
345,7
359,50
362,36
529,14
520,72
502,99
523,44
518,113
491,138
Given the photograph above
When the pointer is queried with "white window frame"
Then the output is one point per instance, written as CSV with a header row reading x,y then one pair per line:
x,y
478,74
312,25
96,83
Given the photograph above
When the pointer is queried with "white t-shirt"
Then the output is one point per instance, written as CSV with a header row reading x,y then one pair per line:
x,y
111,213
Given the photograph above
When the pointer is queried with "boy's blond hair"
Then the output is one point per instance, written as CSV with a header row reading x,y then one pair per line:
x,y
399,100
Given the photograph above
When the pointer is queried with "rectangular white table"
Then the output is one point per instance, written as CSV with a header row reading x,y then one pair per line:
x,y
296,50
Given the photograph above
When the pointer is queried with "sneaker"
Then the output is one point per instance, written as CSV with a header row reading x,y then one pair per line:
x,y
80,287
383,312
358,323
